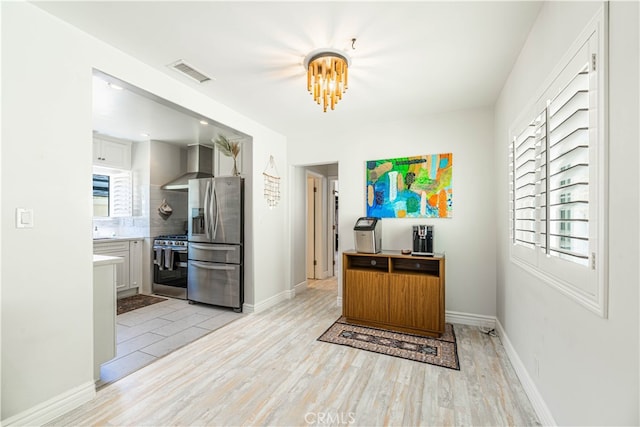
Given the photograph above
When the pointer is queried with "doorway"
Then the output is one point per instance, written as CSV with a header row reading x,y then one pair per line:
x,y
333,221
314,226
320,220
313,216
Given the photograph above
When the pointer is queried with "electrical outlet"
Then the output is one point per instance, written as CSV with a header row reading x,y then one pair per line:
x,y
536,366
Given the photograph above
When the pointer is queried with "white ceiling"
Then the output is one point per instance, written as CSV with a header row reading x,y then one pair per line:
x,y
410,58
136,115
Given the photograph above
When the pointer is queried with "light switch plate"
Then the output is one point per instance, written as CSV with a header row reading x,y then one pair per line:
x,y
24,218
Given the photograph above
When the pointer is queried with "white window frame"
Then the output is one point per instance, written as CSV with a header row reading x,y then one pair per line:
x,y
120,191
588,285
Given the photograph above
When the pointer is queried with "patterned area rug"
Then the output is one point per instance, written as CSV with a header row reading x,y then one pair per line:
x,y
135,302
441,351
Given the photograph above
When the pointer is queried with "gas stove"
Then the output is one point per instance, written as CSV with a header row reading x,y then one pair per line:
x,y
173,236
179,240
170,265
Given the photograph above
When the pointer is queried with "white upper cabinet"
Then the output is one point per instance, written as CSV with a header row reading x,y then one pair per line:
x,y
112,154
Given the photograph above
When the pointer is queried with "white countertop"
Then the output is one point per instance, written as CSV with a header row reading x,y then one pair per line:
x,y
106,260
115,239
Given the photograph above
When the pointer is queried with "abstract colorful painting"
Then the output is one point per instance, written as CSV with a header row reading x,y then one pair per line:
x,y
410,187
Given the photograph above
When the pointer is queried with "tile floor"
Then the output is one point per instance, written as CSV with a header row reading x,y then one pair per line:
x,y
148,333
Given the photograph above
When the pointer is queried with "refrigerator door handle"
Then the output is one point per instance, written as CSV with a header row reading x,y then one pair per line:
x,y
209,247
209,266
215,217
207,226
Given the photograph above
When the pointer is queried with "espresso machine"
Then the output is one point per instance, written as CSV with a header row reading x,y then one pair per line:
x,y
422,240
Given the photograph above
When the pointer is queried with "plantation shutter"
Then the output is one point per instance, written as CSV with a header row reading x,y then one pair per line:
x,y
551,175
524,188
558,177
120,202
540,126
568,171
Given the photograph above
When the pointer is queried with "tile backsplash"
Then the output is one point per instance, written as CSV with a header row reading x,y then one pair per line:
x,y
120,227
177,222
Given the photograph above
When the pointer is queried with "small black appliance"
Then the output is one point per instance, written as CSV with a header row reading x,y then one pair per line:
x,y
422,240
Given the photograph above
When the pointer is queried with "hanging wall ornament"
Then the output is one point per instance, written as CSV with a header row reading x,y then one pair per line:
x,y
271,184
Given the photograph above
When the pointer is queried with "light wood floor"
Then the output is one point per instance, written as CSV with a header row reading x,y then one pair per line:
x,y
268,369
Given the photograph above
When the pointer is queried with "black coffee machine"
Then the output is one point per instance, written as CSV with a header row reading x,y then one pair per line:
x,y
422,240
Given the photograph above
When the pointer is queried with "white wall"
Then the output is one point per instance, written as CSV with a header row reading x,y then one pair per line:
x,y
298,207
46,307
469,237
47,270
588,366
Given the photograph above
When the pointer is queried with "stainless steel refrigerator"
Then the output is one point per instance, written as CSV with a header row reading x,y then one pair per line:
x,y
216,234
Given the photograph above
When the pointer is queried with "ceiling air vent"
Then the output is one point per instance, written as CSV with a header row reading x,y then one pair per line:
x,y
188,70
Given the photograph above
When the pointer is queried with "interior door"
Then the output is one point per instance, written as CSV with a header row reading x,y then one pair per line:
x,y
314,228
332,227
311,256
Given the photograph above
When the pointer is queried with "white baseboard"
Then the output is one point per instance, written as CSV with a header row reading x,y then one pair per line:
x,y
53,408
538,403
247,308
300,287
127,293
479,320
268,303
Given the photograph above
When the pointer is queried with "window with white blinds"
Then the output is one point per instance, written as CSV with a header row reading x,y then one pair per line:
x,y
557,180
120,200
112,193
568,177
524,187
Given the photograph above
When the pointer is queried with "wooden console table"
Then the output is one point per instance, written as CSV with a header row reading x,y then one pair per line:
x,y
394,291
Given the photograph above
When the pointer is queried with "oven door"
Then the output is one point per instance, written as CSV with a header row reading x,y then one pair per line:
x,y
170,271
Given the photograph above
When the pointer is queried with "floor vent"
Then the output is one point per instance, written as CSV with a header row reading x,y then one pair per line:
x,y
189,71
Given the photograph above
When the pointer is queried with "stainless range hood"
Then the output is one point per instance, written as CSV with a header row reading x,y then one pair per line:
x,y
199,165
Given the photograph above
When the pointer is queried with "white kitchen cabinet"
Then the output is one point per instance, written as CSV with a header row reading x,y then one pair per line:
x,y
135,263
117,248
112,154
104,310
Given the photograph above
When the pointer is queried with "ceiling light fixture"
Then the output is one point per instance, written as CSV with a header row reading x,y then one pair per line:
x,y
327,75
114,86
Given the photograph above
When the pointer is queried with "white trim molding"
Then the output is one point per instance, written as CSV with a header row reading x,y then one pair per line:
x,y
300,287
269,302
529,386
53,408
479,320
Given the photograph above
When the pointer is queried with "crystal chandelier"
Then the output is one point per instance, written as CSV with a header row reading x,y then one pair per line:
x,y
327,73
